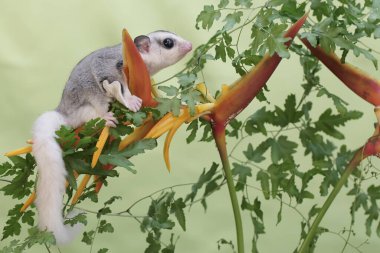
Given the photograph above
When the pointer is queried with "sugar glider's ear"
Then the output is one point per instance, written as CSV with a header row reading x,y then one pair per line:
x,y
142,43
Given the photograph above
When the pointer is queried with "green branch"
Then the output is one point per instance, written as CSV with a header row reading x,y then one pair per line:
x,y
220,140
358,157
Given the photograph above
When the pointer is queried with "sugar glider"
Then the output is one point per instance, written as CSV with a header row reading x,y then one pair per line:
x,y
94,82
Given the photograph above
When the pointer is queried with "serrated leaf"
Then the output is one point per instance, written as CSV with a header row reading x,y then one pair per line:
x,y
203,178
223,3
139,147
263,177
256,121
243,172
190,98
193,128
88,237
232,19
177,207
166,105
376,33
328,122
282,149
112,200
117,160
105,227
243,3
169,90
207,17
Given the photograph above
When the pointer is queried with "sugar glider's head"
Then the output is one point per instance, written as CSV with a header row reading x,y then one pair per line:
x,y
161,49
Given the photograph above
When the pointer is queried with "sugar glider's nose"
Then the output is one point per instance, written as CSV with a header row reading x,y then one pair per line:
x,y
187,46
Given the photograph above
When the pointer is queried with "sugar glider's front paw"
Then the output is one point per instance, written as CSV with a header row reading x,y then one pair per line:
x,y
112,89
133,103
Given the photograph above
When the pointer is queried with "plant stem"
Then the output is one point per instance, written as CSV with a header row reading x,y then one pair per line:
x,y
220,140
355,161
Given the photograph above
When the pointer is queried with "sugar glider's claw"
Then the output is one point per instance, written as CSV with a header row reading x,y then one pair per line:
x,y
110,119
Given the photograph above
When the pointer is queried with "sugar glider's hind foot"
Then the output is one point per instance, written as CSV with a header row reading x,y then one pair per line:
x,y
110,119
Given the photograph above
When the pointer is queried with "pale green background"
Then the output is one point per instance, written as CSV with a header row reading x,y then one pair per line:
x,y
41,41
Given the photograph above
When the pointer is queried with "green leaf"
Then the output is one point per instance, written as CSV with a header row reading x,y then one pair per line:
x,y
235,125
328,122
154,243
257,209
220,52
339,103
186,80
376,34
103,211
207,17
117,160
193,128
103,250
12,226
203,179
315,144
112,200
263,177
282,149
243,3
170,91
79,218
177,207
256,122
257,154
243,172
223,3
88,237
258,226
190,98
139,147
232,19
105,227
166,105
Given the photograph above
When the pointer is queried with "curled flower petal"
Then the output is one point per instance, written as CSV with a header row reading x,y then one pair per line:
x,y
100,145
201,87
138,133
168,140
162,126
28,202
20,151
80,189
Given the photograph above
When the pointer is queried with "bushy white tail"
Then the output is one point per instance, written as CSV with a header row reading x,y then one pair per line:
x,y
51,176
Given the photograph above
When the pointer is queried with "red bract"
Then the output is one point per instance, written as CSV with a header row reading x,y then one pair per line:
x,y
136,72
242,92
357,80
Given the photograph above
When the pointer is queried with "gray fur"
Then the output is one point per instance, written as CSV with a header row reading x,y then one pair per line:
x,y
84,84
84,96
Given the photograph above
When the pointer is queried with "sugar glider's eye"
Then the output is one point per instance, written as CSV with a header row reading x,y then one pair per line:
x,y
168,43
